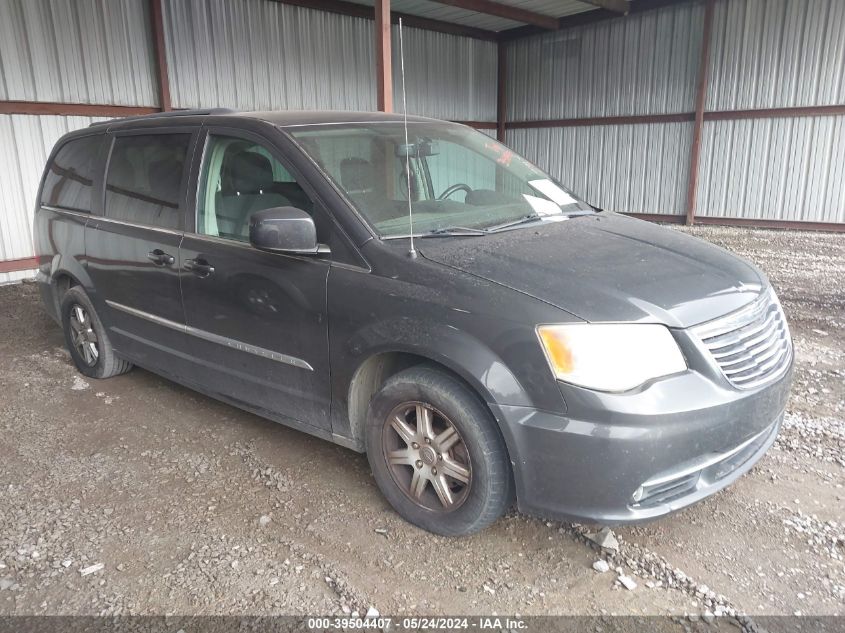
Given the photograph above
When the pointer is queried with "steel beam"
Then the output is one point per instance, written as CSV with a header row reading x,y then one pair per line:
x,y
160,53
384,69
507,11
700,99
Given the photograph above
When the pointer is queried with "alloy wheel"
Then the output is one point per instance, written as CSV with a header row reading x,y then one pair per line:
x,y
427,457
83,336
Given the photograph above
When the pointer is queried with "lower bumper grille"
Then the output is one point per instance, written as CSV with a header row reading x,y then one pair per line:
x,y
699,473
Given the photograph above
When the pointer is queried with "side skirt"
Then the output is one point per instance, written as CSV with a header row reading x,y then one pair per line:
x,y
324,434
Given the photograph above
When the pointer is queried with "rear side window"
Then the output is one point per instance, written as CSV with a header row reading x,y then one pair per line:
x,y
70,176
145,178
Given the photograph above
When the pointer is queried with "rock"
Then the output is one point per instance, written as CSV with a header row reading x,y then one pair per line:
x,y
381,531
605,538
91,569
264,520
6,583
372,612
67,563
601,566
627,582
709,617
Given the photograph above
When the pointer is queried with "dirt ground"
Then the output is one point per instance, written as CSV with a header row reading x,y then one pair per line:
x,y
194,507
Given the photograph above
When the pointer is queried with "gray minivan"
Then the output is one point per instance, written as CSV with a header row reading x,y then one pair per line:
x,y
424,295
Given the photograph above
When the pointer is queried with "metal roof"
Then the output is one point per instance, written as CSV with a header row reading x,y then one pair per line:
x,y
446,13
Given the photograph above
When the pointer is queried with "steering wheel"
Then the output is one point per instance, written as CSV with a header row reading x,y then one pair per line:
x,y
456,187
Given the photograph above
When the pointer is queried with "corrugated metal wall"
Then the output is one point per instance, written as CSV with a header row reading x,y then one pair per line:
x,y
764,54
778,169
76,51
634,168
265,55
777,54
644,64
448,77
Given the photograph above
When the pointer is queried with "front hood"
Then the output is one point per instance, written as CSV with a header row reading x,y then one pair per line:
x,y
608,267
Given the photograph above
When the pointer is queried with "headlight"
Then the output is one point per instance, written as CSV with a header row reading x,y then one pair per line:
x,y
610,356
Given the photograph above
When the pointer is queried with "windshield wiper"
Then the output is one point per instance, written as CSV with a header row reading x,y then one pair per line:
x,y
535,217
448,231
523,220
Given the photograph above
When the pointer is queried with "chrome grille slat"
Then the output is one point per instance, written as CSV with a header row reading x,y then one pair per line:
x,y
762,368
750,352
760,364
752,345
720,341
755,359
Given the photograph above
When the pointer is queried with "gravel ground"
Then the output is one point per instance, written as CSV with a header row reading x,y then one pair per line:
x,y
137,496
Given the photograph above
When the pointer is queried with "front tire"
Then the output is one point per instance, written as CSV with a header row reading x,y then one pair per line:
x,y
86,338
436,453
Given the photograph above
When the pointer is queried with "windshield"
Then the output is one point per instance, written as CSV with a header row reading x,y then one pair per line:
x,y
458,178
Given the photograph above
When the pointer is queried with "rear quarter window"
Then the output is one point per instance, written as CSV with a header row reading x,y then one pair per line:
x,y
69,180
144,179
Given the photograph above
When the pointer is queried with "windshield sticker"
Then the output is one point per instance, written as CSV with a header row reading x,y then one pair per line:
x,y
552,192
506,158
541,206
505,155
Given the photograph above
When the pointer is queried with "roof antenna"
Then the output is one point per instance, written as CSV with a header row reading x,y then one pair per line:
x,y
412,253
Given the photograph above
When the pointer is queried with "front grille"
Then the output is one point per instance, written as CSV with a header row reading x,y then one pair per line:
x,y
752,345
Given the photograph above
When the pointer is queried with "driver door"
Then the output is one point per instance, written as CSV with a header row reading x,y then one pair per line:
x,y
257,320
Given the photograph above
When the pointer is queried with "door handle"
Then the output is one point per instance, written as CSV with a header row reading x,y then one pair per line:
x,y
199,267
160,258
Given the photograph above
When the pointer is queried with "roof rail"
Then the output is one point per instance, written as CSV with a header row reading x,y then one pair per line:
x,y
167,115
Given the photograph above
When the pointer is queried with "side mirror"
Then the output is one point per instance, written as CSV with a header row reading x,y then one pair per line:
x,y
283,230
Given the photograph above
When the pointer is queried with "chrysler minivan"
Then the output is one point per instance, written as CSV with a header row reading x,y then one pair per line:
x,y
419,292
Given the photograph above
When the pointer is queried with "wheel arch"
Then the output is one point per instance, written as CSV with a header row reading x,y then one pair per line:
x,y
63,279
381,363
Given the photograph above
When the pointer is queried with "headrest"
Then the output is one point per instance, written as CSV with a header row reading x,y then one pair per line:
x,y
249,173
356,175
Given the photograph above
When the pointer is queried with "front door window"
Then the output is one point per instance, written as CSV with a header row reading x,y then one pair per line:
x,y
239,178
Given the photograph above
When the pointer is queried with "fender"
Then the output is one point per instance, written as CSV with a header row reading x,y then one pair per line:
x,y
63,266
458,350
445,345
70,266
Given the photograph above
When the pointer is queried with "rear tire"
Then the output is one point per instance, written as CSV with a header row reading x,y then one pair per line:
x,y
436,453
86,338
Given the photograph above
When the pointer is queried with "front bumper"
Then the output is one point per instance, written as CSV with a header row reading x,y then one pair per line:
x,y
625,458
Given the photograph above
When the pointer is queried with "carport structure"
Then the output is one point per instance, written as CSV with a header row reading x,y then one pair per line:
x,y
705,111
